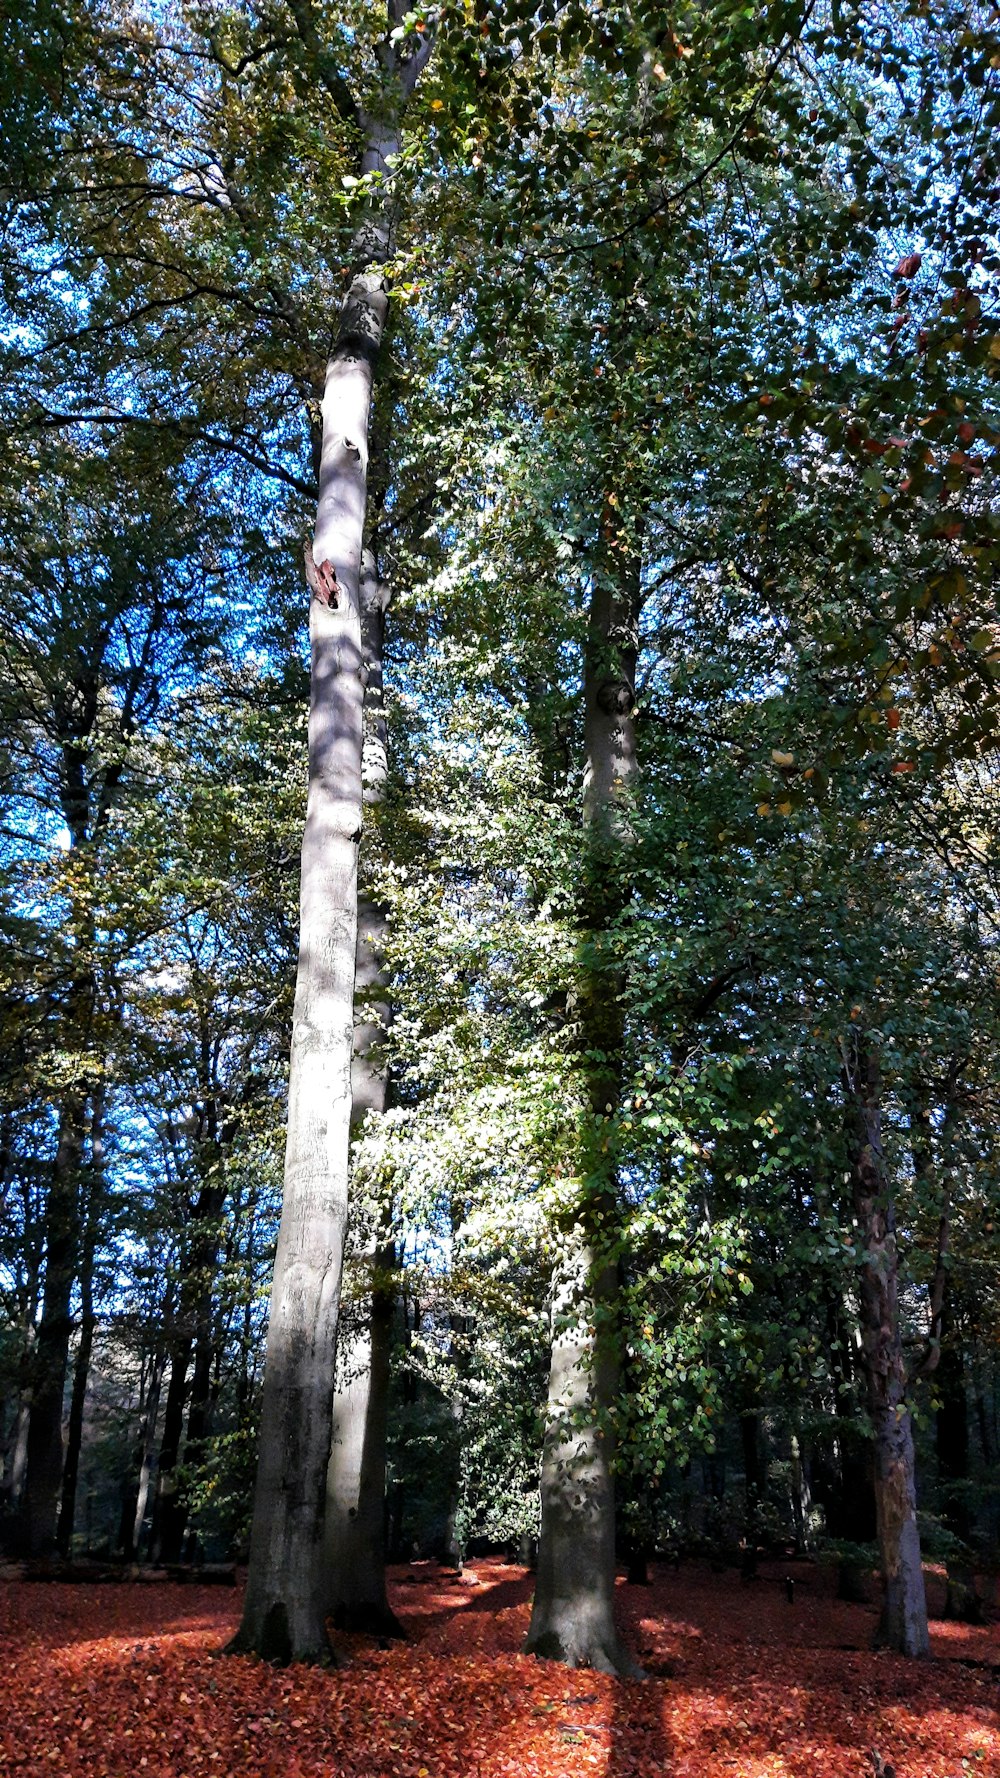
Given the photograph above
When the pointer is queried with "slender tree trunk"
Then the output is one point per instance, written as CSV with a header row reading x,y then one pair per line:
x,y
952,1442
78,1400
135,1489
573,1617
164,1505
88,1323
199,1414
801,1495
904,1610
44,1465
354,1549
193,1339
201,1348
19,1451
286,1596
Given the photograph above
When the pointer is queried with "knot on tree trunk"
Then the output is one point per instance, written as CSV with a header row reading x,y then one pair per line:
x,y
615,697
322,579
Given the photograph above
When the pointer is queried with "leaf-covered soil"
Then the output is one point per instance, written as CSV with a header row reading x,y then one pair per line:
x,y
123,1681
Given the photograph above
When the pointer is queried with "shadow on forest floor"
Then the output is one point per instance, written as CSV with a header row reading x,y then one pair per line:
x,y
122,1682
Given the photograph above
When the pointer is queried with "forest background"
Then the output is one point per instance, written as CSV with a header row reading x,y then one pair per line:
x,y
671,589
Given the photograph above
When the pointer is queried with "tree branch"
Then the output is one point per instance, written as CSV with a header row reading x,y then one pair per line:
x,y
335,83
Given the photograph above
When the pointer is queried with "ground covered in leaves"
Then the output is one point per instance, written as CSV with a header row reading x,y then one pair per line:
x,y
123,1681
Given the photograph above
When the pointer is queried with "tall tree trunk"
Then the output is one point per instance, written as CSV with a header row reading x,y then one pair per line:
x,y
163,1541
135,1489
199,1416
194,1330
19,1448
951,1429
904,1609
44,1465
94,1180
572,1617
354,1546
283,1617
198,1289
355,1506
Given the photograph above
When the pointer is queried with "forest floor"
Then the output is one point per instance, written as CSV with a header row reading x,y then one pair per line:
x,y
121,1681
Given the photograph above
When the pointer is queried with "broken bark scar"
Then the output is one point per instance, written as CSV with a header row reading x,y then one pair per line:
x,y
321,578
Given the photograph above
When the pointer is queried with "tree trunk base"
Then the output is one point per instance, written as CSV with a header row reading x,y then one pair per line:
x,y
276,1644
605,1653
907,1637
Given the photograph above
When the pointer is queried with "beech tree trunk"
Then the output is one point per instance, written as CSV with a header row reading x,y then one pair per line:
x,y
135,1491
904,1609
162,1540
286,1596
355,1507
355,1491
573,1617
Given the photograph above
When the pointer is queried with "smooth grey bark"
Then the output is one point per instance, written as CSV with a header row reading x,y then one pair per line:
x,y
284,1611
354,1549
355,1522
904,1610
286,1596
573,1617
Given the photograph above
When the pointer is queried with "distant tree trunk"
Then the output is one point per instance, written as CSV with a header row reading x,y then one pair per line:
x,y
962,1600
44,1465
850,1494
904,1610
286,1597
355,1525
354,1546
135,1491
801,1495
78,1399
164,1541
573,1617
199,1416
88,1322
19,1448
753,1488
193,1341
